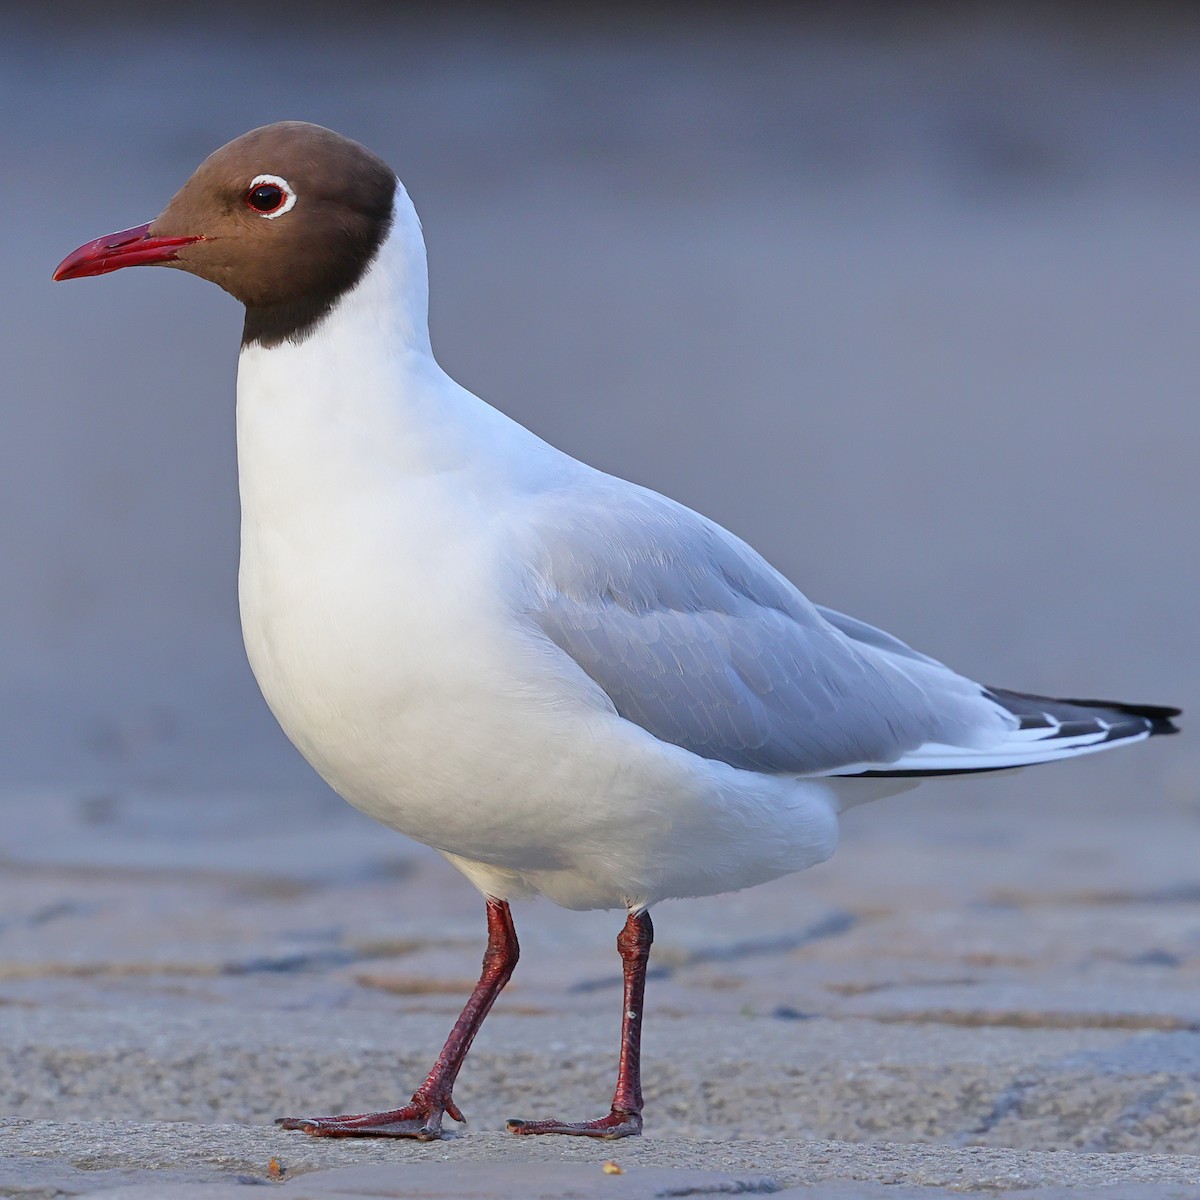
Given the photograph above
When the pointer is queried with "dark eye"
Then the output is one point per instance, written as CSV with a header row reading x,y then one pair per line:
x,y
270,196
266,198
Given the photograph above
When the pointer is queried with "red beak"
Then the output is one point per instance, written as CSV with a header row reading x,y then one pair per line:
x,y
129,248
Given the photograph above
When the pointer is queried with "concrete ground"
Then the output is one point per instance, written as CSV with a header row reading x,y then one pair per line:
x,y
964,998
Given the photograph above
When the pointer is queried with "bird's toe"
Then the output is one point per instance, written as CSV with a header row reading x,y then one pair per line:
x,y
615,1125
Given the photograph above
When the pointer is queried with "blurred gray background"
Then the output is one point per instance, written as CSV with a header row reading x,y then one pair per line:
x,y
905,295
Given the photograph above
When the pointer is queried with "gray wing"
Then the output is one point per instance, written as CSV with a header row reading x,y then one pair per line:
x,y
697,639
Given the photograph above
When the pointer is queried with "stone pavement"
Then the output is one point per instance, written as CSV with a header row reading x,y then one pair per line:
x,y
969,996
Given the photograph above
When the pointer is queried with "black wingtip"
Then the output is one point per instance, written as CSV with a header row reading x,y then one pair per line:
x,y
1160,716
1031,708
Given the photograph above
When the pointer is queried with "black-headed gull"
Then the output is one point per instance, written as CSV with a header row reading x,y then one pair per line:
x,y
565,683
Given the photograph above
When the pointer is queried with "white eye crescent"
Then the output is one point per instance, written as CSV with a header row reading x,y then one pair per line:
x,y
270,196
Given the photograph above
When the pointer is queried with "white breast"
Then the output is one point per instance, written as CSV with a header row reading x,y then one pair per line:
x,y
372,604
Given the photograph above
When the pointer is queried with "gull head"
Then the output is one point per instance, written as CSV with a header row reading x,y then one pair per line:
x,y
286,218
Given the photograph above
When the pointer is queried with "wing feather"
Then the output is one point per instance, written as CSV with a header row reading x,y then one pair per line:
x,y
697,639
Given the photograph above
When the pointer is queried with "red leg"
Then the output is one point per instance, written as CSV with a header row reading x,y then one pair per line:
x,y
625,1118
421,1118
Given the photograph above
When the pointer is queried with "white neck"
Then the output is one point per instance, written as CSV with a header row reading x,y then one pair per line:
x,y
363,396
389,304
395,289
365,380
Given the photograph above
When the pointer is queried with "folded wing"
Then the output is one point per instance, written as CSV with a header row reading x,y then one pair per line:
x,y
697,639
